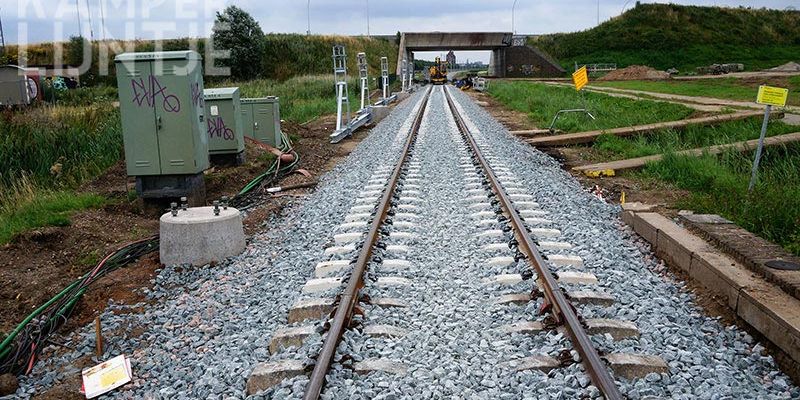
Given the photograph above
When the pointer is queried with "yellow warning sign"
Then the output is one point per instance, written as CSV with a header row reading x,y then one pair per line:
x,y
773,96
580,77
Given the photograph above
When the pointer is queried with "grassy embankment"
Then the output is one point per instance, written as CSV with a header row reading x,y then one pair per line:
x,y
541,102
44,154
718,183
721,88
670,35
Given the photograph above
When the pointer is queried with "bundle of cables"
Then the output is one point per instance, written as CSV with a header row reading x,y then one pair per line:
x,y
285,162
20,349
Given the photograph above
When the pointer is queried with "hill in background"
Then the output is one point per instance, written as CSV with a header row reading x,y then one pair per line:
x,y
668,35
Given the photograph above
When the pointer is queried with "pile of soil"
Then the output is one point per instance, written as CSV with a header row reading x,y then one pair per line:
x,y
635,73
791,66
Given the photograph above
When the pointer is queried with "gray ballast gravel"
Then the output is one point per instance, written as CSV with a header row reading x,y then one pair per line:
x,y
209,327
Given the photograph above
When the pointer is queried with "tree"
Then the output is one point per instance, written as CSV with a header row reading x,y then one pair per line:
x,y
238,32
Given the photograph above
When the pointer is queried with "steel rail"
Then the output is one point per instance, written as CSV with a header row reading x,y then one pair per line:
x,y
562,309
349,297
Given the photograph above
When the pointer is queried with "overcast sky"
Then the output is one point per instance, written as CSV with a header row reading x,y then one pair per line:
x,y
31,21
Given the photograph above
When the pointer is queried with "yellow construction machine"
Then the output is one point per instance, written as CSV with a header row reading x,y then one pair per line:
x,y
438,72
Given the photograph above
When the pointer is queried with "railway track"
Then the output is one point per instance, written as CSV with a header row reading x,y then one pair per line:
x,y
384,230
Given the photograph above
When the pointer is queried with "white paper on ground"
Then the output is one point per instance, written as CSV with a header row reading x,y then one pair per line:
x,y
106,376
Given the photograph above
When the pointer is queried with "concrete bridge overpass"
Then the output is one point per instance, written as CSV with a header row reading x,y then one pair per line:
x,y
511,55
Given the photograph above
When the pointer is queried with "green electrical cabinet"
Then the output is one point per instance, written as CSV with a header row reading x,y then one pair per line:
x,y
163,126
161,102
261,119
224,125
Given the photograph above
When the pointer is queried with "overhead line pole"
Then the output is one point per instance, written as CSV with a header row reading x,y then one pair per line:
x,y
78,9
91,29
308,15
512,17
102,22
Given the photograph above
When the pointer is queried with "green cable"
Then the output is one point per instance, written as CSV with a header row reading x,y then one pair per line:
x,y
4,346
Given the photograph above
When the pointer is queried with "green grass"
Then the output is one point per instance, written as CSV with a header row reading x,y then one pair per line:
x,y
301,98
541,102
670,35
721,88
719,185
610,147
44,209
60,145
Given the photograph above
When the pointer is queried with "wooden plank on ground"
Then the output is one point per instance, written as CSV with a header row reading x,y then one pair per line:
x,y
590,136
611,167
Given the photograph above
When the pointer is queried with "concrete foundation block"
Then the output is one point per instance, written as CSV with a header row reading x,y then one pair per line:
x,y
197,236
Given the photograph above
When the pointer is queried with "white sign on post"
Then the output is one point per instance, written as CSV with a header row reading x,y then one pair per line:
x,y
107,376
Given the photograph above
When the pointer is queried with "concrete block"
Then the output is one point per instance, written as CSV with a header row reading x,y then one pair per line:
x,y
380,364
388,302
527,327
520,197
400,235
618,329
577,278
321,284
532,214
392,281
645,225
538,362
554,246
365,217
378,113
384,331
636,207
526,204
515,298
503,279
347,237
286,337
632,366
305,309
326,268
627,217
495,247
394,264
397,249
502,261
720,274
563,259
590,297
267,375
545,232
773,313
405,225
339,250
198,237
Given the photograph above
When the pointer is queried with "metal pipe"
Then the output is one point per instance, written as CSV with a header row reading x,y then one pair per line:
x,y
562,309
349,296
